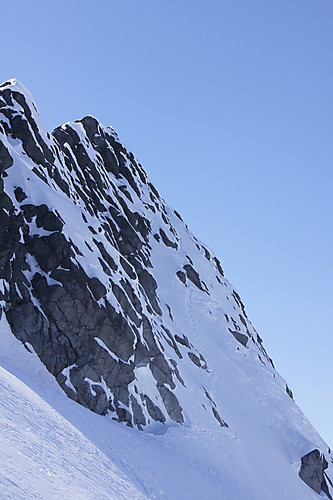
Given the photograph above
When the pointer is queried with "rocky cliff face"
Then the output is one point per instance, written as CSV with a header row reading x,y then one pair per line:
x,y
105,282
79,232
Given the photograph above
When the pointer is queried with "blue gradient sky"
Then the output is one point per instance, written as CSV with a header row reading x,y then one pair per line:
x,y
229,107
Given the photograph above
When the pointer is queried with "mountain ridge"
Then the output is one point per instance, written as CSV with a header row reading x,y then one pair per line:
x,y
108,286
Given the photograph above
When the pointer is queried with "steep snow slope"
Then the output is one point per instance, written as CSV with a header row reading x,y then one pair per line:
x,y
134,318
53,448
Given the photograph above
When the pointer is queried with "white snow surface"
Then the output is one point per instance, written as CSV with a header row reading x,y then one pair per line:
x,y
52,447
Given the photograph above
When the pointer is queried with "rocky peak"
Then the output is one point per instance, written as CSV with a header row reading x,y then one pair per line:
x,y
77,272
105,282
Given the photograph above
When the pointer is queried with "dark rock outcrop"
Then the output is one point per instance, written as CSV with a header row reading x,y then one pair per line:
x,y
312,472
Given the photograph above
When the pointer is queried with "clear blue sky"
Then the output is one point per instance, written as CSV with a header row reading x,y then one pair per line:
x,y
229,106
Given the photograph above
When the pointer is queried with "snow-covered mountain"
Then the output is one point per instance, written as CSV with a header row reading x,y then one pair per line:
x,y
135,320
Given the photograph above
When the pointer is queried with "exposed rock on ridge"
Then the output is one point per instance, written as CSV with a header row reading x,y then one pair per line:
x,y
95,333
313,474
104,281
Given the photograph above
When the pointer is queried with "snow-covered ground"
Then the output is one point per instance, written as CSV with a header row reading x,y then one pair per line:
x,y
52,447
